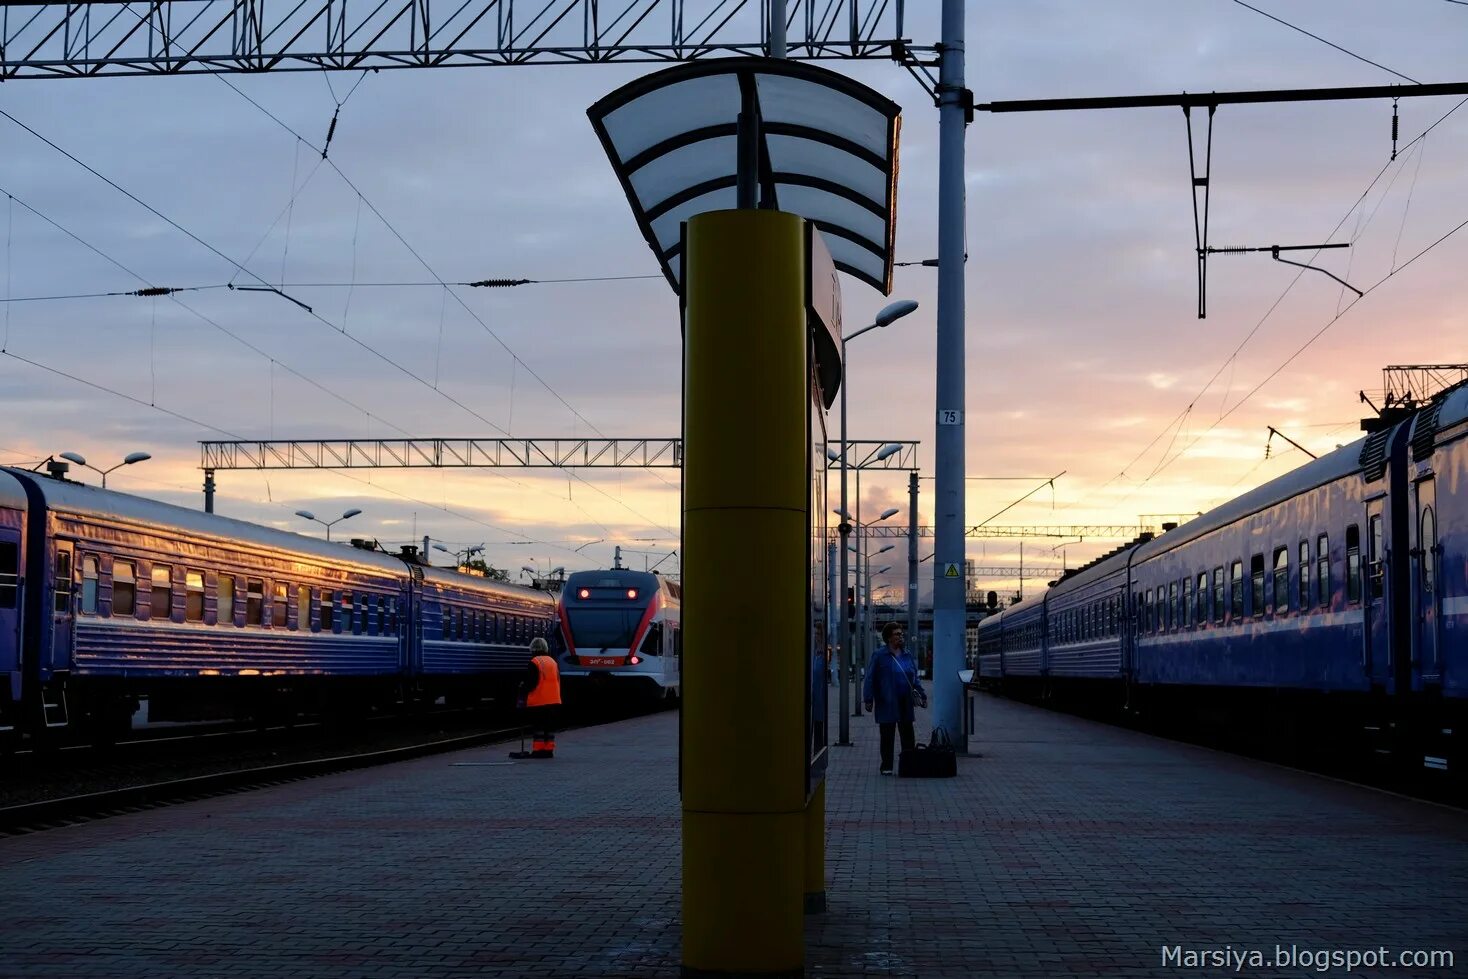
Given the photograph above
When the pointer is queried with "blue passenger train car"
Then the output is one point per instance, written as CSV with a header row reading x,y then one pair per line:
x,y
113,598
1330,602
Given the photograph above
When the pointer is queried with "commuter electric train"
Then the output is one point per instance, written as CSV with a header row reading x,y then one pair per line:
x,y
1330,603
621,634
107,598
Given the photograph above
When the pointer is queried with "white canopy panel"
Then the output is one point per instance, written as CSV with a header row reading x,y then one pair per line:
x,y
828,152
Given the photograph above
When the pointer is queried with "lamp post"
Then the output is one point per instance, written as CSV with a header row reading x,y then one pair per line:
x,y
327,523
889,314
128,460
542,581
460,557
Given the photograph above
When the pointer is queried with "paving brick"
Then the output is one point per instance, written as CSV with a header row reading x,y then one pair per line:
x,y
1068,849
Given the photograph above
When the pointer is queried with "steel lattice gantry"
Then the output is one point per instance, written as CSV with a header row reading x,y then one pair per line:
x,y
171,37
442,453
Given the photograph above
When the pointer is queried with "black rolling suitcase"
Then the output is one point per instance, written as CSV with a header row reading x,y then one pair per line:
x,y
936,759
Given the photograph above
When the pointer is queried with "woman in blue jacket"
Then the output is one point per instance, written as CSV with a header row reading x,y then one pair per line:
x,y
891,689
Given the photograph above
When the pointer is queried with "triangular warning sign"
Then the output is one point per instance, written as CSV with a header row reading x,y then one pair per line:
x,y
950,571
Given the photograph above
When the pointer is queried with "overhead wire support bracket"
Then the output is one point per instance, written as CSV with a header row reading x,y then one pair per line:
x,y
1274,251
282,295
1200,229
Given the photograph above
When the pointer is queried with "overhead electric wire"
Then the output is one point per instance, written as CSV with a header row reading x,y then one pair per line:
x,y
1178,419
1322,40
133,197
457,298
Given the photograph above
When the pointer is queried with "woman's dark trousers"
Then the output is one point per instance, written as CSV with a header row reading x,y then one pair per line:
x,y
887,730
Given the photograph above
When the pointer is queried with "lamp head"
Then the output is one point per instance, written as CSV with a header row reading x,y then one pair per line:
x,y
526,567
306,513
75,457
885,549
832,454
882,570
888,512
841,512
889,450
895,311
350,513
440,547
133,457
561,570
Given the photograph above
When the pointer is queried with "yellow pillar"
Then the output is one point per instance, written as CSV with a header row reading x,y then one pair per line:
x,y
745,578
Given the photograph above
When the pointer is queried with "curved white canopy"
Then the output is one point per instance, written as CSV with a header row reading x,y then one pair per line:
x,y
828,152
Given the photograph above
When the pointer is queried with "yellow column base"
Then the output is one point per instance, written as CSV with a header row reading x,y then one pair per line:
x,y
743,881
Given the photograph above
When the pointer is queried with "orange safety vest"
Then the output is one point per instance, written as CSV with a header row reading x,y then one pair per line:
x,y
548,690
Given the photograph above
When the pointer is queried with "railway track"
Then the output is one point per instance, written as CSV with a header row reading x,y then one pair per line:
x,y
45,791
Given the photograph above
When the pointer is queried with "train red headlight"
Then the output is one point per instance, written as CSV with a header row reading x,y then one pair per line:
x,y
631,592
584,593
635,660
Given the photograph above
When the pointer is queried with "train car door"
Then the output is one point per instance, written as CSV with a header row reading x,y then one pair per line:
x,y
10,606
1428,554
61,607
1376,636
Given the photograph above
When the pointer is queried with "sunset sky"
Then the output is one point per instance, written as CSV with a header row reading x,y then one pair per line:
x,y
1085,353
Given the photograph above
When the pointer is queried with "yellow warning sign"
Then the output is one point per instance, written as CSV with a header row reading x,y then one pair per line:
x,y
950,571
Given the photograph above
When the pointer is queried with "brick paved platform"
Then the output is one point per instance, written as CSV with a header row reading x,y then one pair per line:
x,y
1069,849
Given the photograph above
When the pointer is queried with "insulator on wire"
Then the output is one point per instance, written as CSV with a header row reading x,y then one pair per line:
x,y
1394,129
330,132
497,283
154,291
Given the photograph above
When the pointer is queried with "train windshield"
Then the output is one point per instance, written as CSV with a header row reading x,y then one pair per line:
x,y
606,628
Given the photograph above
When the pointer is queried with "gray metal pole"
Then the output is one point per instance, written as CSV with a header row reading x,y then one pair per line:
x,y
948,503
843,672
208,491
777,28
912,563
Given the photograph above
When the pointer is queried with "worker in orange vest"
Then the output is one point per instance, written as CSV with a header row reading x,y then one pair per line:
x,y
542,700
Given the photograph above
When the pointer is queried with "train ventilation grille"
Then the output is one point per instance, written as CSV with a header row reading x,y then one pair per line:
x,y
1425,431
1373,455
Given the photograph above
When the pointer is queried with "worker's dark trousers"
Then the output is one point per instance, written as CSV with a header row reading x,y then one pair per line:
x,y
543,722
887,730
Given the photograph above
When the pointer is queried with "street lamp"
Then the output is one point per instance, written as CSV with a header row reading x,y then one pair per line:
x,y
80,460
327,523
888,315
460,557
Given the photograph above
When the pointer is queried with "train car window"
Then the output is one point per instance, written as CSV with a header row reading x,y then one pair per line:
x,y
9,573
1322,569
1172,622
1147,611
1202,595
193,596
124,588
392,617
380,626
89,584
1305,593
1256,579
1236,589
62,597
254,601
327,611
1281,580
351,621
1374,569
1353,564
1187,616
303,608
279,590
224,598
1218,605
160,602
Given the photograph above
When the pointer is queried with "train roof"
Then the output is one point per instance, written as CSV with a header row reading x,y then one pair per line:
x,y
93,501
12,493
450,578
1318,472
